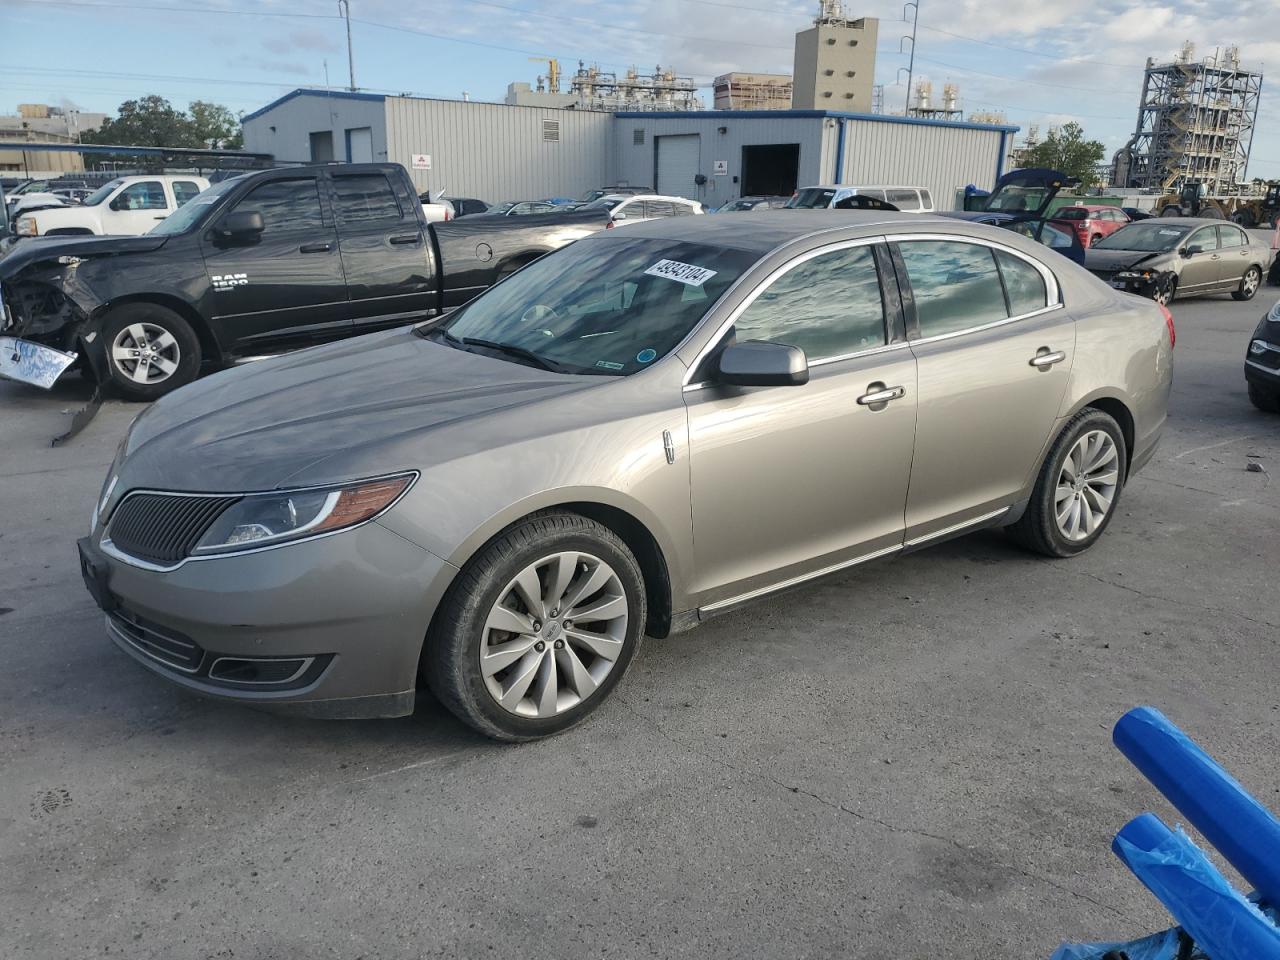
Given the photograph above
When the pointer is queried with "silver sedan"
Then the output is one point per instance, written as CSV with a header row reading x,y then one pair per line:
x,y
643,430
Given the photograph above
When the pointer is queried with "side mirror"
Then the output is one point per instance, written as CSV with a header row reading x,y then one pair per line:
x,y
240,225
117,203
620,216
1192,249
757,363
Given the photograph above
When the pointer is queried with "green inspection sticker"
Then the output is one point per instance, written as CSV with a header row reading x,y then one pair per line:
x,y
609,365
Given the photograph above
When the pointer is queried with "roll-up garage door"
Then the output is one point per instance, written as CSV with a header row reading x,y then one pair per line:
x,y
677,165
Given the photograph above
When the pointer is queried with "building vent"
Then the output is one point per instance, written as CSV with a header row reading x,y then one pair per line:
x,y
853,43
848,96
849,73
551,131
831,41
829,73
637,136
826,93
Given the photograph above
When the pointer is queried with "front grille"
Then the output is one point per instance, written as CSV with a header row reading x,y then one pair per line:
x,y
157,642
163,528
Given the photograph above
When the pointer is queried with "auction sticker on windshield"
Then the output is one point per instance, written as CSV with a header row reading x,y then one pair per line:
x,y
681,272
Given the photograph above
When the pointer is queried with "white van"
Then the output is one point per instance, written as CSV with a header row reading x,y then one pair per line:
x,y
906,199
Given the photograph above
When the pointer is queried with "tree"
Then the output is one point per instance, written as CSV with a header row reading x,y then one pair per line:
x,y
1066,149
152,121
215,126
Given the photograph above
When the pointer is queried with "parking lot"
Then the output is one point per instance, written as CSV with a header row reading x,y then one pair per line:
x,y
889,763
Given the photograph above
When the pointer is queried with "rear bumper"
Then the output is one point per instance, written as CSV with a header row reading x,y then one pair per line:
x,y
331,627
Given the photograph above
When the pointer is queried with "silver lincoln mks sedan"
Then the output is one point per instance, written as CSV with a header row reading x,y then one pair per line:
x,y
645,429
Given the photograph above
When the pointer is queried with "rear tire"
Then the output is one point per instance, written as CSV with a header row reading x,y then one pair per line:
x,y
1041,528
493,587
1249,284
1268,401
1244,218
1171,211
150,350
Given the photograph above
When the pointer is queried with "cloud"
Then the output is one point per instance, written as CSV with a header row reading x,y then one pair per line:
x,y
271,65
302,40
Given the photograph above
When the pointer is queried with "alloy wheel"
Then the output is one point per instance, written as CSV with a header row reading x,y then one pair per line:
x,y
1087,485
1249,285
146,353
554,634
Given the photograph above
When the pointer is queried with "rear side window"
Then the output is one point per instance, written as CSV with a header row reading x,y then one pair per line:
x,y
926,198
285,204
1231,237
1023,284
364,198
907,200
827,306
955,285
184,190
146,195
658,208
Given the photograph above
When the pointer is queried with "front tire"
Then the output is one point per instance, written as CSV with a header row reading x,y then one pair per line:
x,y
1166,290
538,628
1249,284
1171,211
1078,489
150,350
1268,401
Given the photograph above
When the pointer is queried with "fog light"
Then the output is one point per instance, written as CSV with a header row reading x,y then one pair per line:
x,y
1259,346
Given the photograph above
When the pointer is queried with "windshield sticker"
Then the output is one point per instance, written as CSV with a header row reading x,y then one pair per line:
x,y
646,355
609,365
681,272
1170,233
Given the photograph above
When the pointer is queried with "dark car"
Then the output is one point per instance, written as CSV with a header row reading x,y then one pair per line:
x,y
743,204
467,206
611,191
258,265
1056,238
520,208
1262,362
1133,213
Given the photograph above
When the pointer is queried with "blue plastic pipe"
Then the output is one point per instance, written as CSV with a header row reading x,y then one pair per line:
x,y
1220,920
1242,829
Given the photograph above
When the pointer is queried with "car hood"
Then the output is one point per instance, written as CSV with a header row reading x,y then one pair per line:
x,y
1109,261
332,413
38,250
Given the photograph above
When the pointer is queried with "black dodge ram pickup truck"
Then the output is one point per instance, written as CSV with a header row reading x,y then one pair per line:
x,y
255,265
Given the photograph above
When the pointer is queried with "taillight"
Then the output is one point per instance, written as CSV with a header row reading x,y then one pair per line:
x,y
1168,322
609,225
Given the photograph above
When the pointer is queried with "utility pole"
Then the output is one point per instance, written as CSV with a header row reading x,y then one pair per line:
x,y
911,64
344,8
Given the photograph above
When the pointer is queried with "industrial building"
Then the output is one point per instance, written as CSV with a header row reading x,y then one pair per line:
x,y
835,62
1195,123
503,152
752,91
591,88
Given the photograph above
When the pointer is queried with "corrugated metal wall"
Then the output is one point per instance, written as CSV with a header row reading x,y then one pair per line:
x,y
634,162
497,152
296,118
942,158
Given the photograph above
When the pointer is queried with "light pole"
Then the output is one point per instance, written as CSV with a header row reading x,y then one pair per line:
x,y
344,8
911,64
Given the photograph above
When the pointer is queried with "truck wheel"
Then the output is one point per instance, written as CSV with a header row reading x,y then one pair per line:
x,y
1171,211
150,350
1249,284
1244,218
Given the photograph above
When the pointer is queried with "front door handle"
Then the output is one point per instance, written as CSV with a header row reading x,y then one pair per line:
x,y
315,248
879,393
407,238
1046,358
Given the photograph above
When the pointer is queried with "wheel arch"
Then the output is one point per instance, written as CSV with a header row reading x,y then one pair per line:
x,y
209,345
1119,411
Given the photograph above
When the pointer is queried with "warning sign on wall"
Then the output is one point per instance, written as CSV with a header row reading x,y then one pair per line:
x,y
720,168
422,161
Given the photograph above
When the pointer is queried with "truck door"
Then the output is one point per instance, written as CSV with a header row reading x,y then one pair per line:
x,y
136,208
384,250
284,287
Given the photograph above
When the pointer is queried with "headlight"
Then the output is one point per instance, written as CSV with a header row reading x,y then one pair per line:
x,y
26,227
1274,314
107,487
264,519
1134,275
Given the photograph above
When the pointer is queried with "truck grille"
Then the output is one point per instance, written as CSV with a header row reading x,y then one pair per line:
x,y
157,642
162,528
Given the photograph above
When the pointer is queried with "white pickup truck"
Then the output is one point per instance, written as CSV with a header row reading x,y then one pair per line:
x,y
128,206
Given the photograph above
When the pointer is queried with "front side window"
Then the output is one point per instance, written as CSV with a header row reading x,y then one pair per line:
x,y
606,307
828,306
1023,284
363,198
955,285
1206,239
285,204
145,195
184,190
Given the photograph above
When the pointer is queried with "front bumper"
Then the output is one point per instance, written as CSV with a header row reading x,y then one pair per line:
x,y
1263,368
329,627
33,363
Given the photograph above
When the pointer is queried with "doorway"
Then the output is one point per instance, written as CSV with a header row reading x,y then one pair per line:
x,y
770,169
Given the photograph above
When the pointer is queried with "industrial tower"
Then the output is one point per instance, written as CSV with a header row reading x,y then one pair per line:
x,y
1195,124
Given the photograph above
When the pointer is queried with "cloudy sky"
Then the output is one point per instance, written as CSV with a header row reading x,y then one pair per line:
x,y
1036,61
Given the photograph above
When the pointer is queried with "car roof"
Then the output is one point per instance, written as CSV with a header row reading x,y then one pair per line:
x,y
1185,221
863,186
762,231
645,196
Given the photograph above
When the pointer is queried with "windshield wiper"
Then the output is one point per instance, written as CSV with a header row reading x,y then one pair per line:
x,y
510,350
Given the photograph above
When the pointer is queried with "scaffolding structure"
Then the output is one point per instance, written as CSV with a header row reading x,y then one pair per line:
x,y
1195,124
596,89
752,91
948,109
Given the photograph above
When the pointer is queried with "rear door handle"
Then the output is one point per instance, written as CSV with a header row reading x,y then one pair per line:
x,y
407,238
315,248
1045,358
882,394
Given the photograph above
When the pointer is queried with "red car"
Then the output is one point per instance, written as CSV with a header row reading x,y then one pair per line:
x,y
1091,223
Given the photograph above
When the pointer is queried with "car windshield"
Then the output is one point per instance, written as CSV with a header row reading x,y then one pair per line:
x,y
592,195
606,307
1146,237
739,205
602,203
104,191
1072,213
193,211
811,198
